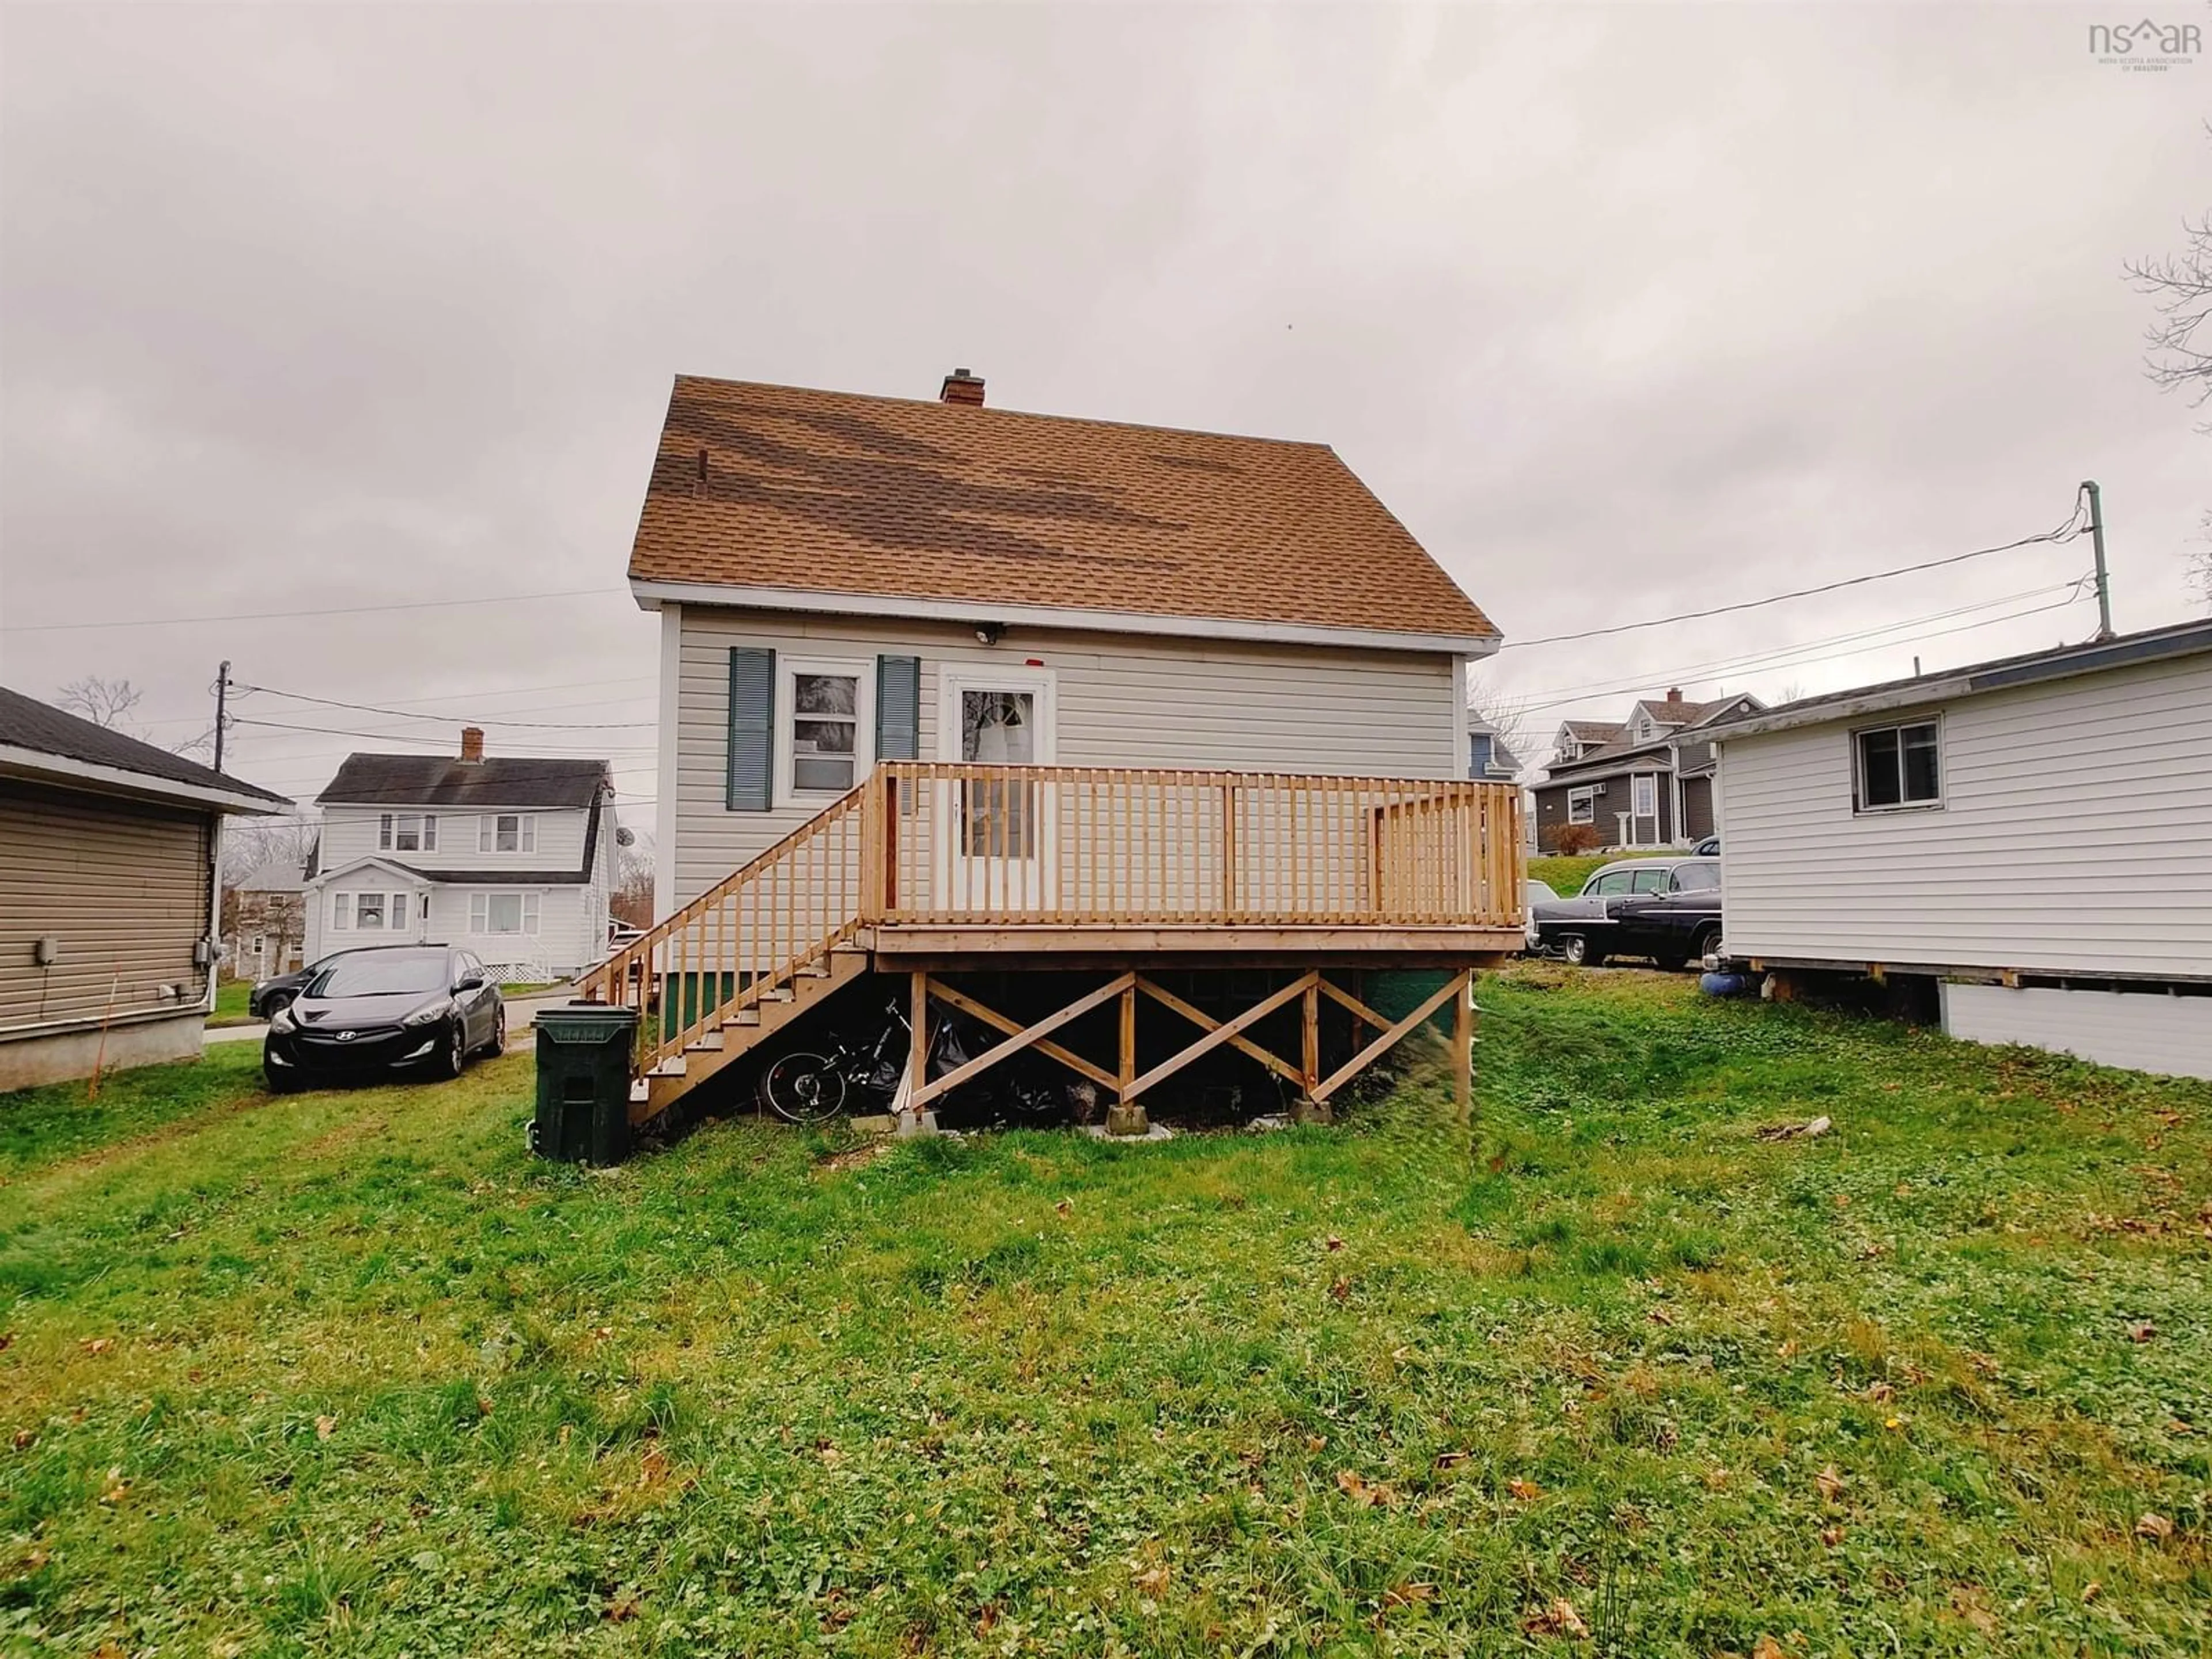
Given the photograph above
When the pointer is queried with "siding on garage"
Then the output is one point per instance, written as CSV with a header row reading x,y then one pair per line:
x,y
2074,836
2145,1030
123,886
1122,701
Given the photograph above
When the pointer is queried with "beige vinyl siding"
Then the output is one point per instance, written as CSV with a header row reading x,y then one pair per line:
x,y
122,885
2147,1031
2074,836
1122,701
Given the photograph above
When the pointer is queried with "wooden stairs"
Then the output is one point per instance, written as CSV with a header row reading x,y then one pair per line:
x,y
740,1030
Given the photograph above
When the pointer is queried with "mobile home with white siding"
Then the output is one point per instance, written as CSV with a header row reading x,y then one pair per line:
x,y
2034,835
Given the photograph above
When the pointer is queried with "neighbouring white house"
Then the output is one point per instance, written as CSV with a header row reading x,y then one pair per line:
x,y
2033,836
844,579
510,857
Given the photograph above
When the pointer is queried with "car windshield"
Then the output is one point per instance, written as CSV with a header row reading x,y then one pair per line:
x,y
380,972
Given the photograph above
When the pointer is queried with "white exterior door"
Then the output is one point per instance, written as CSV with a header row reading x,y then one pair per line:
x,y
996,853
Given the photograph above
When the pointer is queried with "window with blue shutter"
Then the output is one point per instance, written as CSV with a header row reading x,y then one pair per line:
x,y
898,708
752,728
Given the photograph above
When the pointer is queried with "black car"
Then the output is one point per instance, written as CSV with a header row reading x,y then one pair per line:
x,y
270,994
386,1008
1668,909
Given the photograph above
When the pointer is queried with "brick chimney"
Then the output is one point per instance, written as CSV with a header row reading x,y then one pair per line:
x,y
962,387
1674,694
472,744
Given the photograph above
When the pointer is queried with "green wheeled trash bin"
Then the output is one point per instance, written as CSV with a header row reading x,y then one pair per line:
x,y
583,1083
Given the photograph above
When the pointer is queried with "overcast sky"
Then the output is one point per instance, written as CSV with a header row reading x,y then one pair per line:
x,y
1625,311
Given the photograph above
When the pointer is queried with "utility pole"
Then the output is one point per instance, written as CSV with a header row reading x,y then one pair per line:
x,y
223,696
2097,541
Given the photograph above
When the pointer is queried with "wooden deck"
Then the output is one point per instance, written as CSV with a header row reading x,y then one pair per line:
x,y
926,868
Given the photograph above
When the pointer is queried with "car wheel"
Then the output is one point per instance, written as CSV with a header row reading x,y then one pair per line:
x,y
275,1002
1578,952
1707,941
456,1053
497,1046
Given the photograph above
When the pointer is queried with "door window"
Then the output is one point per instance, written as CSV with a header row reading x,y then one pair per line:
x,y
1652,879
998,728
1696,877
1611,884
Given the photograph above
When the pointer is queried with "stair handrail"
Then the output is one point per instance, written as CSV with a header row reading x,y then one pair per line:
x,y
626,977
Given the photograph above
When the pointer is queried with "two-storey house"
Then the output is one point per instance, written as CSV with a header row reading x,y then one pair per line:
x,y
510,858
1645,782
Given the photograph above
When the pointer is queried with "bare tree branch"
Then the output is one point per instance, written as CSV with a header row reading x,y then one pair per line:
x,y
2181,285
104,702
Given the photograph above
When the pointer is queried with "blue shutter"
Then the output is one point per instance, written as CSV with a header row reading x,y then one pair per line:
x,y
898,708
752,728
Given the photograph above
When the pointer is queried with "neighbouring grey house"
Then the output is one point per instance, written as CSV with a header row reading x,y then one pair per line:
x,y
1489,759
1644,781
264,919
108,850
2032,836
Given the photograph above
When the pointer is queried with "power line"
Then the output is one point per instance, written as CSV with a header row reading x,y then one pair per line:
x,y
1780,657
324,611
2065,533
483,720
347,731
1910,639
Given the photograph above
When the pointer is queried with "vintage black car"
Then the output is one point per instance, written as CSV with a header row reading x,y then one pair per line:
x,y
1667,909
385,1008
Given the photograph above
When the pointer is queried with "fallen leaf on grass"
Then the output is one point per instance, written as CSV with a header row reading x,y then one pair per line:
x,y
1767,1647
117,1489
1406,1596
2093,1589
1373,1494
24,1438
1451,1460
1830,1481
1880,1392
1661,1316
6,1341
653,1467
1832,1536
1066,1206
2142,1332
1969,1603
2156,1528
324,1426
96,1344
1152,1581
1332,1242
1559,1619
1526,1491
623,1604
1341,1290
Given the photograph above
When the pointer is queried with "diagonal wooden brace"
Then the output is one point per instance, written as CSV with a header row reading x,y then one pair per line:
x,y
1223,1033
1207,1021
1022,1038
1344,999
1457,986
993,1017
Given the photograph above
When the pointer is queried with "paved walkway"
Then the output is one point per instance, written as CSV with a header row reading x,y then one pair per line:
x,y
520,1011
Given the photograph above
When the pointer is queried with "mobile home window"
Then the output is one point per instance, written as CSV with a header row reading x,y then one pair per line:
x,y
507,832
1582,806
1899,766
503,913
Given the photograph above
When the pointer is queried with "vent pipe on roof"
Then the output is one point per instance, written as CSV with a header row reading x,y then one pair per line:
x,y
962,387
472,744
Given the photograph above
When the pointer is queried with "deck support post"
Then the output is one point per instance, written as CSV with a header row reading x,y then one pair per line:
x,y
1310,1108
916,1120
1126,1116
1463,1049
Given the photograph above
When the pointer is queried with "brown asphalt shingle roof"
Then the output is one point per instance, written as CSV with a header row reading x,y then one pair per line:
x,y
771,486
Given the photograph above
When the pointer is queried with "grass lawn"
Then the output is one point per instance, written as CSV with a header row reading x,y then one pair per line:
x,y
1567,875
349,1373
230,1004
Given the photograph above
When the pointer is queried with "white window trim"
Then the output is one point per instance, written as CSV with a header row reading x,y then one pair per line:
x,y
525,835
1638,782
531,914
1859,807
787,670
1586,800
953,678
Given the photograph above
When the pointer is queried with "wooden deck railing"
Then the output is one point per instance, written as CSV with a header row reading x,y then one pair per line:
x,y
922,843
1078,845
